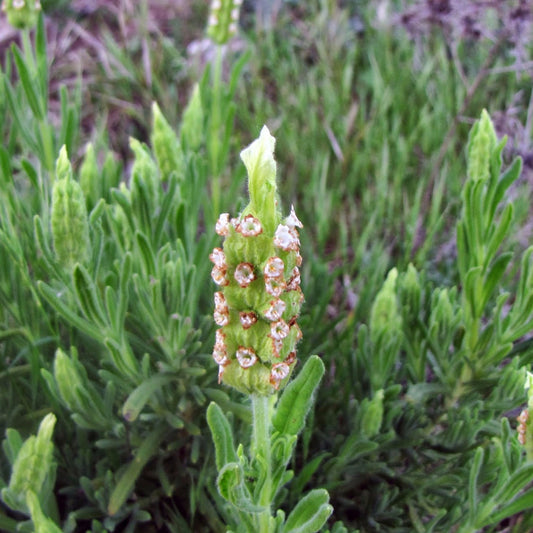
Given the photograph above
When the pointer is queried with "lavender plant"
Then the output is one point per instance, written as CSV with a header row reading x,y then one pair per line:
x,y
257,309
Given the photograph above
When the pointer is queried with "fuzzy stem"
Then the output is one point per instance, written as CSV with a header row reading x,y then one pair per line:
x,y
261,448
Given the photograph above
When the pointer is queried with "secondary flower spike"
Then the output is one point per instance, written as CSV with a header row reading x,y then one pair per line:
x,y
259,297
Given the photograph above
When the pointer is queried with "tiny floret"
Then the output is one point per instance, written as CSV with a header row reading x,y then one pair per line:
x,y
275,286
249,226
246,357
244,274
278,373
223,224
219,276
279,330
286,238
221,317
274,267
276,309
292,220
220,301
218,258
248,319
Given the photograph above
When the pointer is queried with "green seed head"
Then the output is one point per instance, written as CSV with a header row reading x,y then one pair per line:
x,y
257,271
70,226
22,13
223,20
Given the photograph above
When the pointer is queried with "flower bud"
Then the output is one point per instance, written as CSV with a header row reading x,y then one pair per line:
x,y
259,296
223,20
166,144
90,177
22,13
481,143
385,318
70,226
144,185
192,123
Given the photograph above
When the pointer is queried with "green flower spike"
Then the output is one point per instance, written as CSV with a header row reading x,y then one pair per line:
x,y
70,225
223,20
258,273
22,13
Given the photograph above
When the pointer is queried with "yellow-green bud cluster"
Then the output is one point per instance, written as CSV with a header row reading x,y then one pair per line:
x,y
223,20
22,13
70,225
257,271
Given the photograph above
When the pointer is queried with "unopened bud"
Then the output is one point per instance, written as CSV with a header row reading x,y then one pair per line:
x,y
70,226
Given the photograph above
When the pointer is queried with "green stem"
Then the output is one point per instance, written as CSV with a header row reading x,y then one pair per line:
x,y
261,448
214,143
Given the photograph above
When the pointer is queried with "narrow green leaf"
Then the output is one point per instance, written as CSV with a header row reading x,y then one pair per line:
x,y
493,277
297,398
222,436
52,297
516,506
506,180
501,231
518,480
127,480
28,84
147,254
87,297
310,514
472,483
142,394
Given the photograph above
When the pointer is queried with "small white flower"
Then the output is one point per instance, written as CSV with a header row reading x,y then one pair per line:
x,y
232,28
275,286
220,301
221,318
222,225
220,353
276,309
248,319
18,4
235,14
249,226
278,373
286,238
212,20
218,258
274,267
216,4
279,330
246,357
244,274
219,276
220,338
292,220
